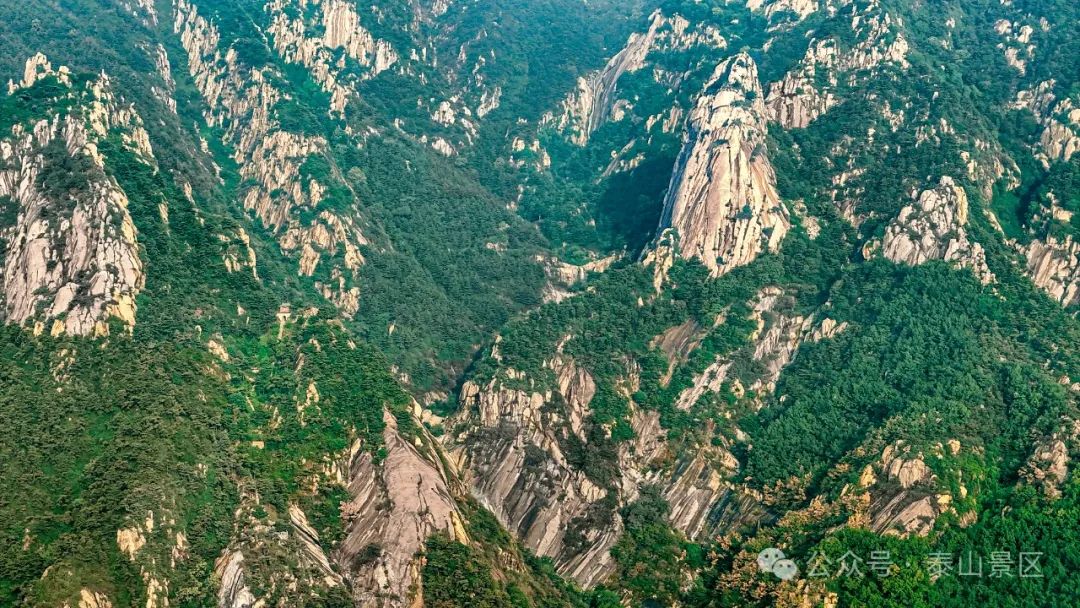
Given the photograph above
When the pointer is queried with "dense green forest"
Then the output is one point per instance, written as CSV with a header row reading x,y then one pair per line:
x,y
138,462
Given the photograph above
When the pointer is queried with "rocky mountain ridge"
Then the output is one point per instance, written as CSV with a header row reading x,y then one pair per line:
x,y
435,303
73,259
722,202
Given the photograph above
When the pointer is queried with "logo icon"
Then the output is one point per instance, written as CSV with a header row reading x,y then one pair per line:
x,y
773,560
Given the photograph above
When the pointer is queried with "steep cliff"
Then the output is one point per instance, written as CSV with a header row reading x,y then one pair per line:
x,y
323,206
1054,266
520,438
592,101
72,258
394,506
511,451
722,201
795,101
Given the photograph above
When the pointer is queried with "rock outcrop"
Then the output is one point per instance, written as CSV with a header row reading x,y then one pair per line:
x,y
297,40
1060,138
1053,262
777,337
1048,466
263,562
795,101
511,446
513,437
36,68
722,202
396,501
72,256
828,328
695,489
774,9
155,544
594,97
773,344
233,591
1016,43
798,99
243,102
589,104
93,599
562,276
904,500
933,229
511,454
1054,266
395,506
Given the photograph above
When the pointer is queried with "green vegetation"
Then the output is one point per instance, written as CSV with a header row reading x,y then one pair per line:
x,y
64,175
26,105
455,577
492,570
927,344
653,559
95,434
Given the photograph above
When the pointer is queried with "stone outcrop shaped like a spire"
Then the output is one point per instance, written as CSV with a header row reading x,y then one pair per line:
x,y
722,200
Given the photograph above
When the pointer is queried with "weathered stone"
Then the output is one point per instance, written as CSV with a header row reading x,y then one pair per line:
x,y
395,506
722,202
934,229
72,262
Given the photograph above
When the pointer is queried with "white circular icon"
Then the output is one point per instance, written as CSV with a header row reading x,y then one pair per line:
x,y
785,569
773,560
768,557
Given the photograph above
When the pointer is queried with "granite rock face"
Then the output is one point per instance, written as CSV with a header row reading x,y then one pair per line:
x,y
1049,464
774,9
395,506
514,434
72,260
905,496
1053,262
1054,266
592,100
512,457
722,202
1060,119
795,101
933,229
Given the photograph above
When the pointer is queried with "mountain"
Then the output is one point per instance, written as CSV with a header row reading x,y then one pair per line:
x,y
539,303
